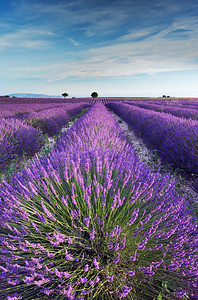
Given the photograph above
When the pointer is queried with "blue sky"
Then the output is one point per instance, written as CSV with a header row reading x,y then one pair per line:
x,y
117,48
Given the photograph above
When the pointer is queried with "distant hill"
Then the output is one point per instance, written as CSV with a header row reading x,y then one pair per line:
x,y
29,95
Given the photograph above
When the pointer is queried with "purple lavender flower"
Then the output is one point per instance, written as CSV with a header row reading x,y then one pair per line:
x,y
70,240
41,217
96,264
117,258
68,256
47,212
87,221
133,258
91,282
110,245
86,268
123,241
116,248
97,279
13,282
134,217
125,292
141,246
64,200
110,278
14,297
74,214
92,234
131,273
83,280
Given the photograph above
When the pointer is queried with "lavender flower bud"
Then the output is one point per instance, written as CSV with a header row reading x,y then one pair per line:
x,y
87,221
68,256
70,240
96,264
86,268
130,273
97,279
92,234
125,291
47,212
133,258
91,282
64,200
83,280
110,245
117,258
116,248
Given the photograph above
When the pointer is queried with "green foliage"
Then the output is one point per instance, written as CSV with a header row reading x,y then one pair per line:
x,y
94,95
65,94
159,297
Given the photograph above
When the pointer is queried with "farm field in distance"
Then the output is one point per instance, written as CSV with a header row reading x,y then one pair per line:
x,y
87,218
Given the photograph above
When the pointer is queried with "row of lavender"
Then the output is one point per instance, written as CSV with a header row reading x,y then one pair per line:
x,y
176,139
188,112
20,110
50,120
30,110
174,102
90,221
19,137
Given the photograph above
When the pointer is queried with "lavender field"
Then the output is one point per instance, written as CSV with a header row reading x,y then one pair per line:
x,y
88,219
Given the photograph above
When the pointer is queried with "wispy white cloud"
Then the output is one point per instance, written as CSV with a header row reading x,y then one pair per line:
x,y
136,34
34,44
26,38
188,25
73,41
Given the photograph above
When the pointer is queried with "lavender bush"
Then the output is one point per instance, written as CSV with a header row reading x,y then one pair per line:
x,y
91,222
176,139
178,111
19,111
24,111
16,137
50,120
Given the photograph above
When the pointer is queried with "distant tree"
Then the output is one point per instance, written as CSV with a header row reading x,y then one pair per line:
x,y
65,95
168,96
94,95
7,96
164,96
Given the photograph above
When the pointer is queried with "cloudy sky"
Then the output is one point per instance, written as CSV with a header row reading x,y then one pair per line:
x,y
114,47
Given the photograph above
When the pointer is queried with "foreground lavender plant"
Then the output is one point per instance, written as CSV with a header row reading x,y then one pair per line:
x,y
94,223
